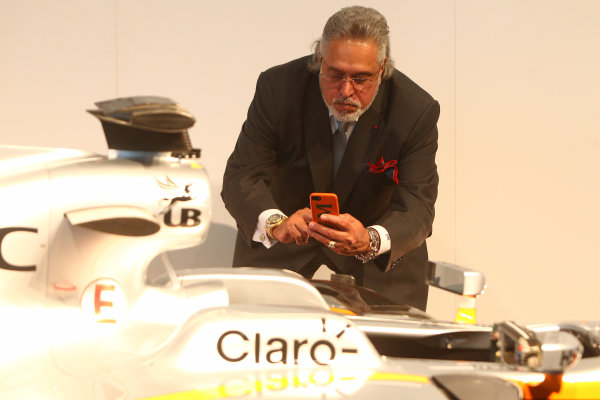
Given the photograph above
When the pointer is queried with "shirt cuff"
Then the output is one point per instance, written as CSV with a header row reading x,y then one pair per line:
x,y
385,242
259,233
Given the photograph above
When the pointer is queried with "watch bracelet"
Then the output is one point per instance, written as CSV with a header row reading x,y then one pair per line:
x,y
269,227
374,245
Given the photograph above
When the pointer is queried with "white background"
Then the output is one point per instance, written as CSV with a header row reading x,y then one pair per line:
x,y
517,81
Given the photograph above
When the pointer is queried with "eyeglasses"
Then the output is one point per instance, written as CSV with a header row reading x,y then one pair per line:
x,y
357,82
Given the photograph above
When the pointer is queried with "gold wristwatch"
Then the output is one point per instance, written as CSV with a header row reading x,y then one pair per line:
x,y
273,221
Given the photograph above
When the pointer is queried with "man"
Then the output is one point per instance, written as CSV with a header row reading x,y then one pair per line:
x,y
386,181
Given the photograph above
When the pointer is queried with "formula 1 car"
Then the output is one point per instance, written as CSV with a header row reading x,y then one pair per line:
x,y
543,359
84,318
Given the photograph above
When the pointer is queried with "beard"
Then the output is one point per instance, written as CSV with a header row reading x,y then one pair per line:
x,y
345,116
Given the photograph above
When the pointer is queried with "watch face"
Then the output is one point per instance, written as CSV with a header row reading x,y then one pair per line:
x,y
274,218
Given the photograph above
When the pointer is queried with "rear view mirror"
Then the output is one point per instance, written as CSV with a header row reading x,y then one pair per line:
x,y
456,279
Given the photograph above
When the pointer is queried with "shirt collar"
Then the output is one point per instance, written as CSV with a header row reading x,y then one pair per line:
x,y
335,124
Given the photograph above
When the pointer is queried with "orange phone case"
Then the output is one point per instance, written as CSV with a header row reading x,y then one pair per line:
x,y
323,203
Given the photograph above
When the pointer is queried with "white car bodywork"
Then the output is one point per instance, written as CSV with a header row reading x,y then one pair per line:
x,y
82,319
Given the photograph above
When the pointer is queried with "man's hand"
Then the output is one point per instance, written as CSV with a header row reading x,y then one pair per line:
x,y
295,228
348,233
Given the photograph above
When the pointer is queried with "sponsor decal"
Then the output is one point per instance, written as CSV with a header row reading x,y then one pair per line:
x,y
175,194
188,217
235,346
104,302
5,264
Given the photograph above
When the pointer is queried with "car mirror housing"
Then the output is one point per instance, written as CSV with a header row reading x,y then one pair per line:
x,y
456,279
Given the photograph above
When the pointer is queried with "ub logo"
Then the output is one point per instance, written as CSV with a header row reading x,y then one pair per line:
x,y
176,194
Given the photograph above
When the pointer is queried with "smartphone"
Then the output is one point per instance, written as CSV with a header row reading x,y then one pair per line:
x,y
323,203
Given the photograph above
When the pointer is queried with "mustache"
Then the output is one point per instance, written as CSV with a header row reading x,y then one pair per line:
x,y
346,101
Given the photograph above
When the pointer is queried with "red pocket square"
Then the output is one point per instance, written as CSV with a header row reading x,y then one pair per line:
x,y
381,167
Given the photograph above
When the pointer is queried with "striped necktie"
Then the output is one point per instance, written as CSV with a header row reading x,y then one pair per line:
x,y
340,138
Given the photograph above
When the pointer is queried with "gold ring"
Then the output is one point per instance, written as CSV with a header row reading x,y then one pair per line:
x,y
331,244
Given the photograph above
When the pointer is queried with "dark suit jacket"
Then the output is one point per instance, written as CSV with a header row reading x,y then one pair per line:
x,y
284,153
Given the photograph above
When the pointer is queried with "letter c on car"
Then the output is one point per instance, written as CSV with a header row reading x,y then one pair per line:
x,y
220,346
3,263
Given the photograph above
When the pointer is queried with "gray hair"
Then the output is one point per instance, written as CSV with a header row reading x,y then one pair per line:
x,y
356,23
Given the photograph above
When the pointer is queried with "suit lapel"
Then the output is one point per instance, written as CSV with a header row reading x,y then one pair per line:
x,y
317,133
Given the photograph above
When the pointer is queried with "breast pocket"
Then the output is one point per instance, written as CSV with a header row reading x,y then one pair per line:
x,y
371,196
